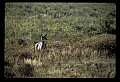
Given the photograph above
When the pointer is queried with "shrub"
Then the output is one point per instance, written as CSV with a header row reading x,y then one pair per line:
x,y
25,55
105,43
8,73
108,44
26,70
22,42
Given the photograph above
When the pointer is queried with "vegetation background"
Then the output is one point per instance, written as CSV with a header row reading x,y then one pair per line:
x,y
81,40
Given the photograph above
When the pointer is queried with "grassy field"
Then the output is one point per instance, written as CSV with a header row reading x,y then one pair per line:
x,y
81,40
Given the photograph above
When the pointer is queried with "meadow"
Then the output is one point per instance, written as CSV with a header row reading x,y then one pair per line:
x,y
81,40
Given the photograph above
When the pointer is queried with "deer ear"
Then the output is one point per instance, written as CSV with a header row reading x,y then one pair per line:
x,y
45,35
40,34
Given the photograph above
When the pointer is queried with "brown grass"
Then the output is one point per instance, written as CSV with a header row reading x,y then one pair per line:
x,y
60,60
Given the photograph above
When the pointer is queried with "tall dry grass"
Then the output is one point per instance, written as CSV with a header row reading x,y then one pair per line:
x,y
61,59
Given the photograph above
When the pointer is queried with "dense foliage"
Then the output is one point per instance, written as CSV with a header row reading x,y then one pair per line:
x,y
59,19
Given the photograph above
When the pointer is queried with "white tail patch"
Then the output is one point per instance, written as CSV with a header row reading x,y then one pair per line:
x,y
38,46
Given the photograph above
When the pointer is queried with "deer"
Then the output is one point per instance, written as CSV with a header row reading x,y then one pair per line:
x,y
40,45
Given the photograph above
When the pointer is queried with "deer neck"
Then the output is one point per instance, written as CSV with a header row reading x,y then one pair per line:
x,y
43,42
